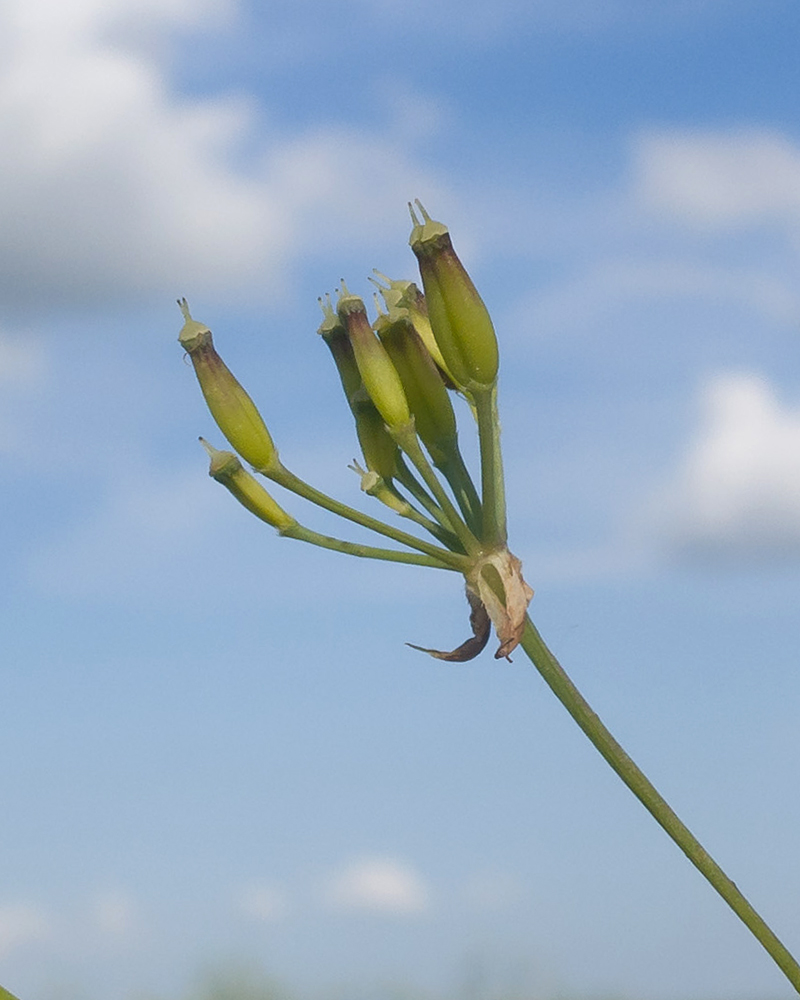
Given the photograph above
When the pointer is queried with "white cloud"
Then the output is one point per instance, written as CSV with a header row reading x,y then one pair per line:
x,y
106,181
112,185
736,494
87,926
720,179
379,884
95,18
322,177
21,924
610,286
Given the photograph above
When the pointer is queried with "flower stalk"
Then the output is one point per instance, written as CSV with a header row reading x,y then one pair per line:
x,y
570,697
495,529
396,375
226,468
430,405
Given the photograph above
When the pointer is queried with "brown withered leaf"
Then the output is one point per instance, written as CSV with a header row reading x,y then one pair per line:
x,y
506,612
481,629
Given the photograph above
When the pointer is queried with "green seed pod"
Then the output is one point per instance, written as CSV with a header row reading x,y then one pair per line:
x,y
461,323
428,399
378,374
406,296
227,469
334,334
233,410
379,448
377,445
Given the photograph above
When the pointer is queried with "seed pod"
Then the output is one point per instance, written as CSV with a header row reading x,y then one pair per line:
x,y
377,371
405,296
461,323
227,469
332,331
377,445
231,407
428,399
379,448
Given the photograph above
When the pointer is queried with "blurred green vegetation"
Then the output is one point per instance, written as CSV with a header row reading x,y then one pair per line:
x,y
246,982
239,985
250,984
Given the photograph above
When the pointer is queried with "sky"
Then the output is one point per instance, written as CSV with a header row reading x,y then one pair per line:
x,y
218,751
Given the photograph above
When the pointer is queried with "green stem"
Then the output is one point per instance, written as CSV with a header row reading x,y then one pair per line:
x,y
5,995
574,702
409,481
408,510
457,475
386,492
283,477
409,442
303,534
495,534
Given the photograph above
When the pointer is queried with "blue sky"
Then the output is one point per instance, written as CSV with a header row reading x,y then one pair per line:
x,y
217,748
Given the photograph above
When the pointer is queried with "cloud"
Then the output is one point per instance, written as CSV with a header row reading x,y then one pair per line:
x,y
106,180
86,926
321,179
720,179
21,924
736,493
112,185
381,885
610,286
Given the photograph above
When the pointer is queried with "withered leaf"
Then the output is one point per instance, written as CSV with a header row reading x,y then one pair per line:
x,y
500,573
481,628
